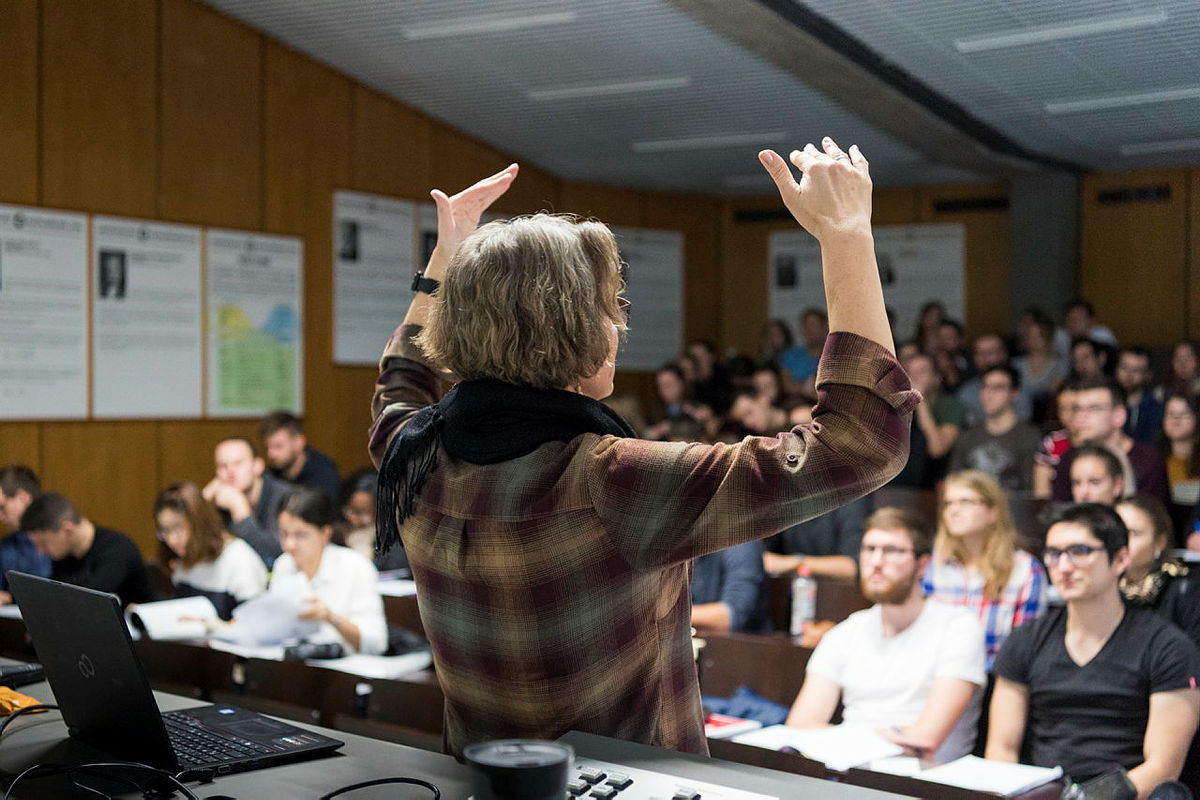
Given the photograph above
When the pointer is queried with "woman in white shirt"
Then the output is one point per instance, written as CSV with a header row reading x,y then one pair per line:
x,y
344,599
205,558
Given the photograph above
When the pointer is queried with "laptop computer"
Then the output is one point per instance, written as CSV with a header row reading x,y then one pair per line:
x,y
106,701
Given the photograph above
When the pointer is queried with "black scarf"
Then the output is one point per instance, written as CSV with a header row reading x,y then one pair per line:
x,y
480,422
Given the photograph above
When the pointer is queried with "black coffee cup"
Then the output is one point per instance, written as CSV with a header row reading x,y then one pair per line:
x,y
519,769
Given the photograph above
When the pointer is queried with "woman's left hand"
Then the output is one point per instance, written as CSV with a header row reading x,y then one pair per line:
x,y
459,215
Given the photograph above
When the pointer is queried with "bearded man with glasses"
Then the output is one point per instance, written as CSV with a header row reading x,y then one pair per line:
x,y
909,668
1096,685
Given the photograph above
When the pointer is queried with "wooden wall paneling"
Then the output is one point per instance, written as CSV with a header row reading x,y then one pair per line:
x,y
1133,259
308,143
99,112
391,147
698,219
19,99
534,190
454,162
612,206
987,252
1193,267
744,290
186,447
211,170
109,470
21,443
894,207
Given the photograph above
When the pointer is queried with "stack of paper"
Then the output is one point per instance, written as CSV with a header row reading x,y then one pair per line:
x,y
999,777
839,747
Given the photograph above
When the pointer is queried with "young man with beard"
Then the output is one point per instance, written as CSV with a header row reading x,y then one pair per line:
x,y
912,669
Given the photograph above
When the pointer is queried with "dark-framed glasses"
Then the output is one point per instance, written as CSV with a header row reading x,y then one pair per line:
x,y
889,552
1075,553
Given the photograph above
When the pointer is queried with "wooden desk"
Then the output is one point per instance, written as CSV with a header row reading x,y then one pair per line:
x,y
402,612
772,665
837,598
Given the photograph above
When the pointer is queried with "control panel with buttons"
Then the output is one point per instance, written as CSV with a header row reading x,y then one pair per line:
x,y
600,780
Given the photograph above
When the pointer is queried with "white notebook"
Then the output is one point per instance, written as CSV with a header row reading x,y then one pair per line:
x,y
1000,777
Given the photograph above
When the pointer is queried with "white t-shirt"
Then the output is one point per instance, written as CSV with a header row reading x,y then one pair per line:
x,y
886,682
237,571
347,584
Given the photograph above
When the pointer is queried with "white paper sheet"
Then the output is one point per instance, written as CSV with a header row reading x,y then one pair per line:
x,y
839,747
146,331
1001,777
171,620
43,314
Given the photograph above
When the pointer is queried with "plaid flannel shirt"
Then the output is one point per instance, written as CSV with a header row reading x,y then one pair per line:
x,y
554,587
1023,597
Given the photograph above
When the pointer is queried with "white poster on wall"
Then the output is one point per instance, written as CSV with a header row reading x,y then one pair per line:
x,y
255,320
43,314
654,285
146,326
917,263
372,273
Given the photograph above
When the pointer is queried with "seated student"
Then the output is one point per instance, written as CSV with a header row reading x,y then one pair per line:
x,y
290,457
85,554
976,562
914,669
827,545
1098,475
728,590
205,558
356,499
1096,684
1000,444
247,496
1098,416
1153,579
19,487
344,596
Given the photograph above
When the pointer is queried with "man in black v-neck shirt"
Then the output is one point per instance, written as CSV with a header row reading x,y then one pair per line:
x,y
1095,685
84,554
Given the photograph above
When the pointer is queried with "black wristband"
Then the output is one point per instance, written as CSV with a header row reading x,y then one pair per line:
x,y
422,284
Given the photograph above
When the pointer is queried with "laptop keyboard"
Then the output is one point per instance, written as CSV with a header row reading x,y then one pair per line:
x,y
195,744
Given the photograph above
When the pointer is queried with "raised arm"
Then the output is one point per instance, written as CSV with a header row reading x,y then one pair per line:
x,y
832,200
407,381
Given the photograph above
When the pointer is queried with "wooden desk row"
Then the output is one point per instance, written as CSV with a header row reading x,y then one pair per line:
x,y
408,710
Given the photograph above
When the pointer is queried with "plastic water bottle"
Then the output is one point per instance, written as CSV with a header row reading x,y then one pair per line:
x,y
804,601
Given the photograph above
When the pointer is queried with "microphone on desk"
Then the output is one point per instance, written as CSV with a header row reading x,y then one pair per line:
x,y
519,769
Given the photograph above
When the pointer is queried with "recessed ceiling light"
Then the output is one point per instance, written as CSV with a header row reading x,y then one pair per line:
x,y
1122,100
1167,146
706,142
604,89
484,23
1068,30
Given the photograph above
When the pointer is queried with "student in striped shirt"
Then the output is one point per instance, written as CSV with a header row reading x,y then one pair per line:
x,y
976,562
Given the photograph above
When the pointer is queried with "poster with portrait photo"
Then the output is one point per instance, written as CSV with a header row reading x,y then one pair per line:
x,y
372,273
916,263
146,320
43,314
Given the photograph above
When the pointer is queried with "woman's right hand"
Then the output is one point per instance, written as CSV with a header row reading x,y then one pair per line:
x,y
833,194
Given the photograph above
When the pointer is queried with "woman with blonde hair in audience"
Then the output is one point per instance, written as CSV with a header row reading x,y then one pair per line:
x,y
344,597
1153,578
205,558
976,562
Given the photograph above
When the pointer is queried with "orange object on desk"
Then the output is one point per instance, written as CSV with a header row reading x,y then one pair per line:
x,y
11,700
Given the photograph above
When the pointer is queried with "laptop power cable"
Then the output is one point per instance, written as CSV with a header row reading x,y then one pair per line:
x,y
437,793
